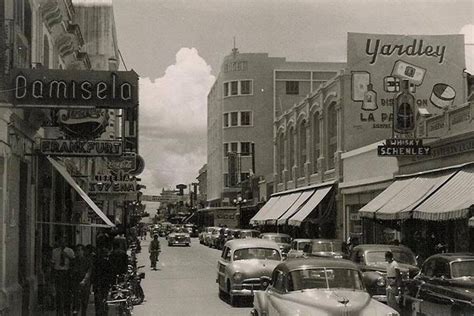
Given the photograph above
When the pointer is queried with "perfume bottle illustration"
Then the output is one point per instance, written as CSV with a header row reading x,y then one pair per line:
x,y
404,110
370,99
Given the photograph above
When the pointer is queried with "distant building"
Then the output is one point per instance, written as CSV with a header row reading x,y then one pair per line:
x,y
202,185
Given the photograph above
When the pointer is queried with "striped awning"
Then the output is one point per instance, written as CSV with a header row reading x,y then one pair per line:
x,y
283,205
309,206
260,217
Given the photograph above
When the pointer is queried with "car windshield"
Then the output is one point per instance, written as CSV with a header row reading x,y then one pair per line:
x,y
278,239
325,278
256,253
326,246
249,234
374,257
461,269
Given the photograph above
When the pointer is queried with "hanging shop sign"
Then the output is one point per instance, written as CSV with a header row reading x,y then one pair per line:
x,y
112,187
403,147
83,123
55,88
80,148
125,163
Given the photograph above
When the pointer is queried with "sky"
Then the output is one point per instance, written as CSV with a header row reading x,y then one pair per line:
x,y
177,47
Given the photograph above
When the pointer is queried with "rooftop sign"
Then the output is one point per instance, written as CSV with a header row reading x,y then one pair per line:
x,y
403,147
54,88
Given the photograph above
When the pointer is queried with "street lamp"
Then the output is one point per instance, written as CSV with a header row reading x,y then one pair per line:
x,y
238,201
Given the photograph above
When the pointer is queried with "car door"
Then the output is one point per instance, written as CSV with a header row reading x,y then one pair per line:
x,y
434,288
276,292
223,262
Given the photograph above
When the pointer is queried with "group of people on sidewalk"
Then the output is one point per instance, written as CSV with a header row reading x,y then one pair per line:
x,y
78,270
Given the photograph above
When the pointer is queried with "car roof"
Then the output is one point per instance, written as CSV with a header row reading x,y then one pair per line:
x,y
321,240
275,234
301,239
385,247
251,243
302,263
453,256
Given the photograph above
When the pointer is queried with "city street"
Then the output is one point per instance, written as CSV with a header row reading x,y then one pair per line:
x,y
184,283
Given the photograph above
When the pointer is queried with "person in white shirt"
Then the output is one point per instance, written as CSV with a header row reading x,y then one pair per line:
x,y
393,278
61,259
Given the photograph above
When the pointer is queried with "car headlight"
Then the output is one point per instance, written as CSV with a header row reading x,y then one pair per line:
x,y
237,276
381,281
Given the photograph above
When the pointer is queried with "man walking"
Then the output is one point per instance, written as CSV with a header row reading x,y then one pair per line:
x,y
393,280
154,250
61,258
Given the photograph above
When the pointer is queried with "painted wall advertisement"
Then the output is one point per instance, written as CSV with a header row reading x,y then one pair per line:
x,y
379,64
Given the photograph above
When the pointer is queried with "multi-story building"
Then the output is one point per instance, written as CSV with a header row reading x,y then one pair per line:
x,y
251,90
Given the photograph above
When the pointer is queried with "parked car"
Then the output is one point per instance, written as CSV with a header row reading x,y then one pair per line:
x,y
298,246
207,234
317,286
179,236
283,240
371,260
192,230
243,262
445,285
247,233
326,248
221,238
214,236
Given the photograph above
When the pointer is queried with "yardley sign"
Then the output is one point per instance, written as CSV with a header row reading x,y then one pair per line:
x,y
379,64
53,88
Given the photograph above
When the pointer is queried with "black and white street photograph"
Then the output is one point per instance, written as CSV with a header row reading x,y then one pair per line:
x,y
236,157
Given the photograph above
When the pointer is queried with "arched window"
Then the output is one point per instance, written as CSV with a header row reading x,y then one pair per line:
x,y
46,52
281,155
291,149
332,134
302,154
316,141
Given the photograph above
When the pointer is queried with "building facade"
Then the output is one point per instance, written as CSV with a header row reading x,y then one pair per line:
x,y
251,90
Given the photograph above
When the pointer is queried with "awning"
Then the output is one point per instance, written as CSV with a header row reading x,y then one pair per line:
x,y
309,206
404,195
452,201
295,207
62,170
471,222
259,218
285,202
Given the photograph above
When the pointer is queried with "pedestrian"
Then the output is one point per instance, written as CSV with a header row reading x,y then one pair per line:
x,y
154,249
393,280
81,273
118,257
61,259
102,277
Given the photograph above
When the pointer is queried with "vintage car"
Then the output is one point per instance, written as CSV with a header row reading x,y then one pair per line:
x,y
222,238
206,236
247,233
371,260
214,236
192,230
179,236
317,286
283,240
298,246
243,262
444,286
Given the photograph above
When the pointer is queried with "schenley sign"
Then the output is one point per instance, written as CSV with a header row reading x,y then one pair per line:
x,y
74,88
403,147
69,147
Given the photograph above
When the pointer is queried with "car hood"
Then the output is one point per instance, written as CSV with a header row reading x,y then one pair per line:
x,y
331,302
382,267
178,235
254,268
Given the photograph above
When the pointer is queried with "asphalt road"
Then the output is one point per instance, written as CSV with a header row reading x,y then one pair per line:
x,y
184,284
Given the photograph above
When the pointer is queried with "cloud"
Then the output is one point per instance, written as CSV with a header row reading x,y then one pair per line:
x,y
468,31
173,122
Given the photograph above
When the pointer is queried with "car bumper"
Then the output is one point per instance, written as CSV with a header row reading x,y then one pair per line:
x,y
246,288
179,242
380,298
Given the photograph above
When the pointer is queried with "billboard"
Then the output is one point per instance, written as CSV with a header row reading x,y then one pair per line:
x,y
378,64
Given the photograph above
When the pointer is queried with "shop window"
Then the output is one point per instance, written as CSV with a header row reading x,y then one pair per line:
x,y
234,147
292,87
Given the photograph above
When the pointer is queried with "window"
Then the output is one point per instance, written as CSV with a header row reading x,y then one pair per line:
x,y
234,118
245,118
292,87
291,151
226,149
234,147
302,148
246,87
234,87
281,155
226,89
226,119
226,180
332,134
316,142
244,176
245,148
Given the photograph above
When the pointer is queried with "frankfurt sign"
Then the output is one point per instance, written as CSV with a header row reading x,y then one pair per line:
x,y
403,147
55,88
80,148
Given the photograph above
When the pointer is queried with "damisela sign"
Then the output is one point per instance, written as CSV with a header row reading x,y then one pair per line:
x,y
54,88
80,148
